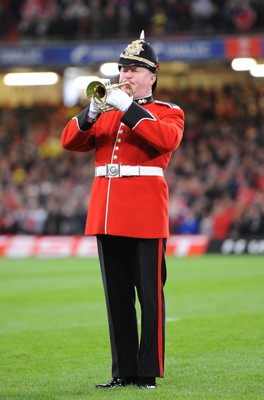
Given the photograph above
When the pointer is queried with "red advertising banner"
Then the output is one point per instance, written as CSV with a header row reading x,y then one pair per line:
x,y
23,246
243,46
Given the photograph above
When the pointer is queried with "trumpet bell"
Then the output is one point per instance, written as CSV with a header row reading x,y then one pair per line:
x,y
97,90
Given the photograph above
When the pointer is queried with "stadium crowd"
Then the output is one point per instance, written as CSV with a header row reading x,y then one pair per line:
x,y
67,19
216,177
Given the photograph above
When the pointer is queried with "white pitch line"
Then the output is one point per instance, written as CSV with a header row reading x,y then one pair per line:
x,y
173,319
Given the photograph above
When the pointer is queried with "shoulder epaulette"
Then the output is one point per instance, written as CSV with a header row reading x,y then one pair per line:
x,y
164,103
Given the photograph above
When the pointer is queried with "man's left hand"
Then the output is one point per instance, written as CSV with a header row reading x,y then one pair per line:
x,y
119,99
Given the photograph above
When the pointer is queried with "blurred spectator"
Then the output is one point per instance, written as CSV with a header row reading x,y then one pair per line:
x,y
123,17
75,18
31,17
202,12
140,16
189,224
244,16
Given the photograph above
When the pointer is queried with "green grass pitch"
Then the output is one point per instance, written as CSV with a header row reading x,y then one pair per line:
x,y
54,336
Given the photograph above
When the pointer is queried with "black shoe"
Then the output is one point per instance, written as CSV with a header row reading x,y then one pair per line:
x,y
116,382
146,383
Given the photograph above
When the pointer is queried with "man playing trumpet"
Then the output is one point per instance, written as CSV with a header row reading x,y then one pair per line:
x,y
128,210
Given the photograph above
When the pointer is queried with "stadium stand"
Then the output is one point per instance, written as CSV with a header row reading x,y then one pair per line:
x,y
66,19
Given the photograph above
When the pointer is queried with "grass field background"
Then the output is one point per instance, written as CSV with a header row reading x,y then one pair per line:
x,y
54,336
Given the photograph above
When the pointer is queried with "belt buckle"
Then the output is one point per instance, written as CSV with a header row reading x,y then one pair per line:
x,y
112,170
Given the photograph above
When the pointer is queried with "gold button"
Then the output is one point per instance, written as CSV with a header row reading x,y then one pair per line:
x,y
115,157
116,148
119,140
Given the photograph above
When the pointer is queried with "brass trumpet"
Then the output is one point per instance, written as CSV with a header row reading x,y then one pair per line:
x,y
97,91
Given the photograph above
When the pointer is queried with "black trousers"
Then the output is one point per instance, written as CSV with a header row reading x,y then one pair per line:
x,y
134,268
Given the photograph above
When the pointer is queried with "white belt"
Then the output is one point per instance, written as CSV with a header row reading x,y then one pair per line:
x,y
119,170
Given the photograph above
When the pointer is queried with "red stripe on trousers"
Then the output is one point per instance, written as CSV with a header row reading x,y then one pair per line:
x,y
160,325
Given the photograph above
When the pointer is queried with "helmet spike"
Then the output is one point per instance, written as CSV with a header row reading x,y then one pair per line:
x,y
142,35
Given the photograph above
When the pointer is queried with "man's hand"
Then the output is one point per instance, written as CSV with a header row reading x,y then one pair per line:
x,y
119,99
93,110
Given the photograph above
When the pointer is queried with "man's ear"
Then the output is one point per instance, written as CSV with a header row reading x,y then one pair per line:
x,y
153,78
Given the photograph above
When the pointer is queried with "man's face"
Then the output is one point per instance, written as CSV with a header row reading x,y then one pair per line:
x,y
141,80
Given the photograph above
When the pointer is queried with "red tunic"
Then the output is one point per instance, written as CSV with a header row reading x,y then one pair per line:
x,y
146,135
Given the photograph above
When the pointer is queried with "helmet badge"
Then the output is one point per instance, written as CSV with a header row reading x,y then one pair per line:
x,y
134,48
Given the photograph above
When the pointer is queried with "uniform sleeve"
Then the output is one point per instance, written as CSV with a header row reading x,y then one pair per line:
x,y
78,134
161,126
